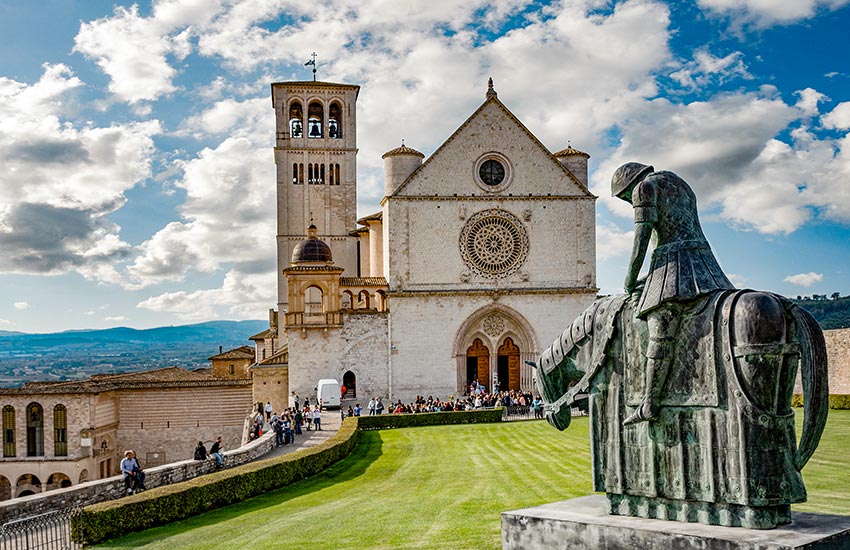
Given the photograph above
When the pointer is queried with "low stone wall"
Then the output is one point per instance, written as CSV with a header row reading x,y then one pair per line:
x,y
99,490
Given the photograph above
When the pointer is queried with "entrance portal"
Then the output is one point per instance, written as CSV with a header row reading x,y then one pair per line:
x,y
508,364
349,380
477,362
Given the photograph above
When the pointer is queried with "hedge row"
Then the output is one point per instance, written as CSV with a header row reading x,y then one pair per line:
x,y
836,401
386,421
161,505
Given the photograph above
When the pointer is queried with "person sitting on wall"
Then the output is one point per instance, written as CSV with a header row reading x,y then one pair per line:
x,y
134,477
215,452
200,451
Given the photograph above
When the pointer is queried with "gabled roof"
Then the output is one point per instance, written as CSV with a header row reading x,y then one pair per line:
x,y
495,100
242,352
279,358
268,333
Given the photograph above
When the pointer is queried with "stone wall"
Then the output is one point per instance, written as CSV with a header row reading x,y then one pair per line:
x,y
838,353
113,487
838,349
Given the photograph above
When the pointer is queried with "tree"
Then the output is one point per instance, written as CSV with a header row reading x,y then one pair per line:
x,y
836,295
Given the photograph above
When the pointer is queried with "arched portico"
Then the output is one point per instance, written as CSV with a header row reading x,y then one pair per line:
x,y
507,337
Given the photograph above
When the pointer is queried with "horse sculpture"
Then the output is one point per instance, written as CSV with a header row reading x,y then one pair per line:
x,y
723,449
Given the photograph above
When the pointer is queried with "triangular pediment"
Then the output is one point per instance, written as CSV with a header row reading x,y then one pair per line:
x,y
492,131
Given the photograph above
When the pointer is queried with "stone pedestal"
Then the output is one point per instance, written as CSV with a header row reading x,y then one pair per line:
x,y
583,523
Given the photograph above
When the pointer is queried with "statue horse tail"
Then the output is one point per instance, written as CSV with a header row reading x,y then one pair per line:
x,y
813,372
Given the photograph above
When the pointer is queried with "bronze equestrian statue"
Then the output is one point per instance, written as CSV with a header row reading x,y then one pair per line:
x,y
689,380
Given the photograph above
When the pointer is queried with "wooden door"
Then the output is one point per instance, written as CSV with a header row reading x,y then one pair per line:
x,y
510,351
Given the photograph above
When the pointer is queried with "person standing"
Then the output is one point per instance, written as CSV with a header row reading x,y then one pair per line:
x,y
317,418
379,406
215,452
357,410
371,406
268,411
308,417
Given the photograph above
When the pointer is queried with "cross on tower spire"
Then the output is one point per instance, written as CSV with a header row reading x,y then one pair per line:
x,y
313,63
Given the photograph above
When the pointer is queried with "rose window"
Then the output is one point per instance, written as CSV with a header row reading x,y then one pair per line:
x,y
493,243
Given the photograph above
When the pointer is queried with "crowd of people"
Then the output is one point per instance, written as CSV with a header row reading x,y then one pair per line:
x,y
477,398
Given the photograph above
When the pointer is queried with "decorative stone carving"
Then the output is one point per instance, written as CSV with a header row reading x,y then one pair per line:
x,y
493,325
494,243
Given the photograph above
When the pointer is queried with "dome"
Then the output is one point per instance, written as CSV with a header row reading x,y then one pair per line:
x,y
569,151
403,150
312,249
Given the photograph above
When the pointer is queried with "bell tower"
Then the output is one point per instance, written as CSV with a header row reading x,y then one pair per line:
x,y
316,158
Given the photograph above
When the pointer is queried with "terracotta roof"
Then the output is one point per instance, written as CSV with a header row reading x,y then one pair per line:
x,y
362,281
279,358
242,352
569,151
268,333
403,150
157,378
377,216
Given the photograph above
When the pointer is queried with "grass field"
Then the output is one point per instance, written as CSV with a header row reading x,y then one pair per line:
x,y
441,488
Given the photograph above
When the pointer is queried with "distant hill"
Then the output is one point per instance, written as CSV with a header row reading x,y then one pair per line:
x,y
223,332
78,354
830,312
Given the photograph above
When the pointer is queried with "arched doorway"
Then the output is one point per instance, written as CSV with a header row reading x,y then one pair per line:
x,y
28,484
508,365
477,363
5,488
349,380
35,430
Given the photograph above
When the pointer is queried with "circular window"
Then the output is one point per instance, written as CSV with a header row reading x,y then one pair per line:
x,y
494,243
491,172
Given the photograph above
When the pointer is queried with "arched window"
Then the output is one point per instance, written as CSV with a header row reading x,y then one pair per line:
x,y
296,120
363,300
8,430
314,303
60,431
335,121
336,174
84,475
35,430
347,300
381,299
5,488
315,120
349,381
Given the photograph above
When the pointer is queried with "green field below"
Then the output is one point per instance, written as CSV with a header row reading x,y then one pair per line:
x,y
442,487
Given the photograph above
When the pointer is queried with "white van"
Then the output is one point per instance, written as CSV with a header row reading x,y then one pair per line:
x,y
328,393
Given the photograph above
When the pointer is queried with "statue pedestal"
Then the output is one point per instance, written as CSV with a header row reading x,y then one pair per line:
x,y
583,523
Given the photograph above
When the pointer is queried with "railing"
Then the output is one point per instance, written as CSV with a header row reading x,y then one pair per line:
x,y
50,531
526,412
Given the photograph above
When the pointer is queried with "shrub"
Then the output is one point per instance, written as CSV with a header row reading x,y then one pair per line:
x,y
836,401
385,421
105,520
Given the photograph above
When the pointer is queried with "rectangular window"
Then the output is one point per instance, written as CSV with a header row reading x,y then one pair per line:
x,y
8,431
60,431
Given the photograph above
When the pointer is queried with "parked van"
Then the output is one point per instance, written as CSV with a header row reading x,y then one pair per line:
x,y
328,393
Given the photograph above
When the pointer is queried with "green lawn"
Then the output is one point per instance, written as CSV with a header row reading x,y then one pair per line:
x,y
441,487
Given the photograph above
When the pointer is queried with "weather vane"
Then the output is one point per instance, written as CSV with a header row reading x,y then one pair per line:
x,y
313,63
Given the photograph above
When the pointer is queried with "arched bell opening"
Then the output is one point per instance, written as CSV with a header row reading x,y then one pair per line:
x,y
315,120
296,120
335,121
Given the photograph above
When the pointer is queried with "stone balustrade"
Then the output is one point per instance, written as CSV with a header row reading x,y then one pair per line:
x,y
91,492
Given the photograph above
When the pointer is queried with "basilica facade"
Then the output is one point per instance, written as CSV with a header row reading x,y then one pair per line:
x,y
479,256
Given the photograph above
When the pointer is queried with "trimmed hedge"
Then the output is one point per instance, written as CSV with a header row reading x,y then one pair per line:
x,y
386,421
836,401
161,505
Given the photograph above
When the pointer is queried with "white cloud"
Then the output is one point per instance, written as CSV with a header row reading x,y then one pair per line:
x,y
738,280
60,180
809,100
135,51
241,296
706,68
611,241
6,322
838,118
21,305
764,13
116,318
726,148
804,279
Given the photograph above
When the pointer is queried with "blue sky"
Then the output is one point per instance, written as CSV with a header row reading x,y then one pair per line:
x,y
137,179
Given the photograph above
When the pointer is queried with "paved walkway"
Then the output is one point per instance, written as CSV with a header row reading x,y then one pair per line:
x,y
331,422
